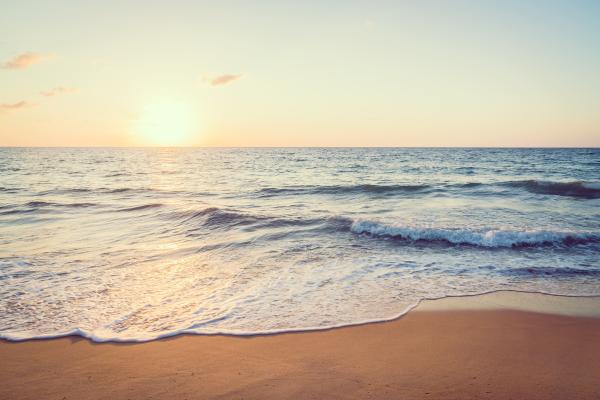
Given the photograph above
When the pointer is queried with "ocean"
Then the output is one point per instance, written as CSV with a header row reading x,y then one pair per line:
x,y
134,244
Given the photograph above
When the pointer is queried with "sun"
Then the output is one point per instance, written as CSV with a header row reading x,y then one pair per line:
x,y
166,123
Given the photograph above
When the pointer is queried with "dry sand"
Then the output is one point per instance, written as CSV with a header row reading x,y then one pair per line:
x,y
456,354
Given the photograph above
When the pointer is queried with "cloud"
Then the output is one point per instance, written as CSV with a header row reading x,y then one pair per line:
x,y
15,106
58,90
221,80
25,60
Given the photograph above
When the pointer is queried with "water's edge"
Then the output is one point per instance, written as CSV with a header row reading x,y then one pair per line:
x,y
479,301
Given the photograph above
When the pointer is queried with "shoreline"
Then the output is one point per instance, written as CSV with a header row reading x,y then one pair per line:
x,y
434,352
516,300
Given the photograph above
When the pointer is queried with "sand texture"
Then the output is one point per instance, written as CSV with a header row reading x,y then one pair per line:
x,y
484,354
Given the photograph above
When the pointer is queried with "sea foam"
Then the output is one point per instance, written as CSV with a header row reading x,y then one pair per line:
x,y
481,237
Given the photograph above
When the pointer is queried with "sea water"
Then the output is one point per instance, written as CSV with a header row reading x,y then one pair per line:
x,y
137,244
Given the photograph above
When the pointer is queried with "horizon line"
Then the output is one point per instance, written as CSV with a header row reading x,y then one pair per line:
x,y
297,147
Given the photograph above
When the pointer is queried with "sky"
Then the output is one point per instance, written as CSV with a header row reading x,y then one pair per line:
x,y
290,73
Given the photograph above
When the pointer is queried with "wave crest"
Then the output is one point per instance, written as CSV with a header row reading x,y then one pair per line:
x,y
588,190
344,189
141,208
552,271
483,238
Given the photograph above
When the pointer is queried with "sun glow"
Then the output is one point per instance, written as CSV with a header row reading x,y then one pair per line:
x,y
166,123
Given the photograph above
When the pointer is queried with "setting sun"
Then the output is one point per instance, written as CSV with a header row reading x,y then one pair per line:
x,y
165,123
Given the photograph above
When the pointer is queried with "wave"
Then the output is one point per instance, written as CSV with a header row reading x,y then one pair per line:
x,y
483,238
103,335
552,271
9,190
119,190
578,189
468,185
343,189
588,190
215,217
222,218
39,204
142,190
19,211
64,191
140,208
218,218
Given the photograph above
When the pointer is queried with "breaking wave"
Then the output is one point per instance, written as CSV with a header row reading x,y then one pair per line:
x,y
482,238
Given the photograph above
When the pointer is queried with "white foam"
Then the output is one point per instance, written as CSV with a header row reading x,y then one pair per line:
x,y
545,302
483,237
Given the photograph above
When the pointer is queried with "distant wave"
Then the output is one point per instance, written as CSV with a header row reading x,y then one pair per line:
x,y
119,190
83,190
34,206
344,189
106,190
39,204
215,217
577,189
218,218
482,238
588,190
18,211
64,191
552,271
9,190
142,207
580,189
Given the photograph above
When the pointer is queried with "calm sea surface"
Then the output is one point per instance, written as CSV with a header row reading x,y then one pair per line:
x,y
135,244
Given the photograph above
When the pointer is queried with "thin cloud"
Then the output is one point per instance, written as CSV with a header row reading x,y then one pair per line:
x,y
221,80
15,106
25,60
58,90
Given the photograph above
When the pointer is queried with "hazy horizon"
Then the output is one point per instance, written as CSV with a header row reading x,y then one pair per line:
x,y
281,74
295,147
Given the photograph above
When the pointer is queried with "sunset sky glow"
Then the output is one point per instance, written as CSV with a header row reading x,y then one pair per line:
x,y
283,73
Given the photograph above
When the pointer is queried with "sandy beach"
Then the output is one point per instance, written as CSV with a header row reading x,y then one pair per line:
x,y
441,351
300,200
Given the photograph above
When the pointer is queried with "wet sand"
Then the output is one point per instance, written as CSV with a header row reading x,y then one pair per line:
x,y
436,353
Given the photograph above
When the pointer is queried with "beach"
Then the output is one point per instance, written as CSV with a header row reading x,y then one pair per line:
x,y
300,200
472,347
